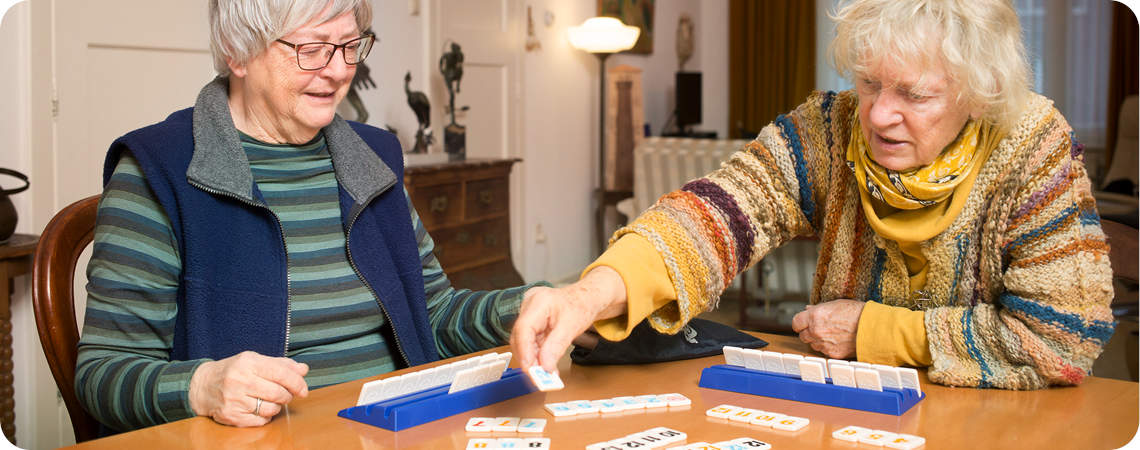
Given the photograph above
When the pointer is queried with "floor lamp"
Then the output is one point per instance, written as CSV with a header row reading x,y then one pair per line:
x,y
603,36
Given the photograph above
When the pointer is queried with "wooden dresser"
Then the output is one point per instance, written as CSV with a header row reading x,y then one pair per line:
x,y
465,207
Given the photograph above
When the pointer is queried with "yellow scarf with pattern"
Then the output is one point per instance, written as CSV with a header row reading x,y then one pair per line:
x,y
914,206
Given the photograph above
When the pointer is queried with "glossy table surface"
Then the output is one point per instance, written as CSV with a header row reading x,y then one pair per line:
x,y
1101,413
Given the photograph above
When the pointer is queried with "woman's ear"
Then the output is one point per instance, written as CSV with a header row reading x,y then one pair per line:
x,y
236,68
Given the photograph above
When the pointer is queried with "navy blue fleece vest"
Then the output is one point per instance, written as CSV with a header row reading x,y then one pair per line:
x,y
234,294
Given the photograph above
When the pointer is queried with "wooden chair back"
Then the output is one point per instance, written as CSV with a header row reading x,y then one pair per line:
x,y
53,299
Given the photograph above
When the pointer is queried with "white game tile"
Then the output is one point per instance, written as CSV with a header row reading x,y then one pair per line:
x,y
753,359
751,444
906,442
733,356
509,443
545,381
908,378
479,424
607,405
505,424
877,438
843,375
675,399
560,409
792,364
773,362
743,415
791,423
482,444
536,443
766,419
668,435
532,425
822,362
868,379
583,406
850,433
889,376
720,411
812,371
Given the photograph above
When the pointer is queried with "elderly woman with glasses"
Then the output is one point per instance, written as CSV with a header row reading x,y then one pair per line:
x,y
957,230
257,245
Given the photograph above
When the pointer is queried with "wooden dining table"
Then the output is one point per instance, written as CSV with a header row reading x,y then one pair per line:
x,y
1100,413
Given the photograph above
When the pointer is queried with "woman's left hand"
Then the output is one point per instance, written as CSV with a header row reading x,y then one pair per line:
x,y
830,327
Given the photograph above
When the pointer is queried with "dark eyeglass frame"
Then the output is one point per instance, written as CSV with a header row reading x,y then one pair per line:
x,y
371,38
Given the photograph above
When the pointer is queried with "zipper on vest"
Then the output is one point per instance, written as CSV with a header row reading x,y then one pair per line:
x,y
285,246
352,263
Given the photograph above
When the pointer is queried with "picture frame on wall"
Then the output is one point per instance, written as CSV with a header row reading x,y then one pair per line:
x,y
637,13
625,125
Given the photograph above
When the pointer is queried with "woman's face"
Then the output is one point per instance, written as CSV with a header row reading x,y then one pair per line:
x,y
908,115
289,102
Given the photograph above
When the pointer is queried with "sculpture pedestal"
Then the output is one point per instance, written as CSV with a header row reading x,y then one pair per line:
x,y
455,142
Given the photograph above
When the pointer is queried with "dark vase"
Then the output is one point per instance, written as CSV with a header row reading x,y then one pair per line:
x,y
8,217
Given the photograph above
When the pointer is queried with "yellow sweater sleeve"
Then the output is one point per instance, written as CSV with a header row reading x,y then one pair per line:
x,y
647,284
892,335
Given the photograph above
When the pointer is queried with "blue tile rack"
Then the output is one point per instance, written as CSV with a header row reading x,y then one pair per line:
x,y
790,387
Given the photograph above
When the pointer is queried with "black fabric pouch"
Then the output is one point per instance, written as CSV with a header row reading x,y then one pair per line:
x,y
698,339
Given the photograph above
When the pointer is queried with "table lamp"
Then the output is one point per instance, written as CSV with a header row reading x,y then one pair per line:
x,y
602,36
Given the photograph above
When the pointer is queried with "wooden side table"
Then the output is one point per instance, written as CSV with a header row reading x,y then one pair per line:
x,y
15,260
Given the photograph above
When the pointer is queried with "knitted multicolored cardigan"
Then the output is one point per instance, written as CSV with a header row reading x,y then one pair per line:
x,y
1019,285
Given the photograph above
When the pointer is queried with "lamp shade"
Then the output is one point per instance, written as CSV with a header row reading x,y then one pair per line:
x,y
603,35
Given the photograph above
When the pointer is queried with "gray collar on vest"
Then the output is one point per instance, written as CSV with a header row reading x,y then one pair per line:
x,y
219,162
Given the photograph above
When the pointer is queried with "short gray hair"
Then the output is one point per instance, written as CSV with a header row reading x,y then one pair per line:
x,y
242,29
978,42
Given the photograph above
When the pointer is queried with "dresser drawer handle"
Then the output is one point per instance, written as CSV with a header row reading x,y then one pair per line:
x,y
486,196
463,237
438,203
490,240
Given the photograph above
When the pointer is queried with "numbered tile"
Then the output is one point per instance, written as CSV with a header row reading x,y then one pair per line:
x,y
720,411
536,443
607,406
630,442
908,378
560,409
868,379
629,403
751,444
877,438
479,424
652,439
733,356
811,371
668,435
482,444
889,376
906,442
675,399
532,425
512,443
773,362
850,433
652,401
727,445
506,424
766,419
792,364
545,381
466,379
822,362
603,446
583,406
843,375
790,423
743,415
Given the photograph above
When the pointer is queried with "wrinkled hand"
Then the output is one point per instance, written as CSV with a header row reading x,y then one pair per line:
x,y
227,390
830,327
550,319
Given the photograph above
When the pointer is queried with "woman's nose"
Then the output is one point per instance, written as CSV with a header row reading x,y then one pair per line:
x,y
886,109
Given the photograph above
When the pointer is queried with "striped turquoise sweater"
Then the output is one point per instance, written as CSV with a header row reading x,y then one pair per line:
x,y
123,374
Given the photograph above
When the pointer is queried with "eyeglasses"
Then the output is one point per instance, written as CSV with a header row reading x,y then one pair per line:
x,y
317,55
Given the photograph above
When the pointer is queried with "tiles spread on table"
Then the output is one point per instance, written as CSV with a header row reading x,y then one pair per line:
x,y
757,417
878,438
616,404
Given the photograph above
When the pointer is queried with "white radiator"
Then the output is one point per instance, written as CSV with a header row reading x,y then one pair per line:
x,y
662,165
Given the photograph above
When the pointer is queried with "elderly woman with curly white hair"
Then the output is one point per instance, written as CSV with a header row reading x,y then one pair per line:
x,y
957,230
256,245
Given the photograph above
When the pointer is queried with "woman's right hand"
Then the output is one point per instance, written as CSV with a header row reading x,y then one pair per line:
x,y
228,390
